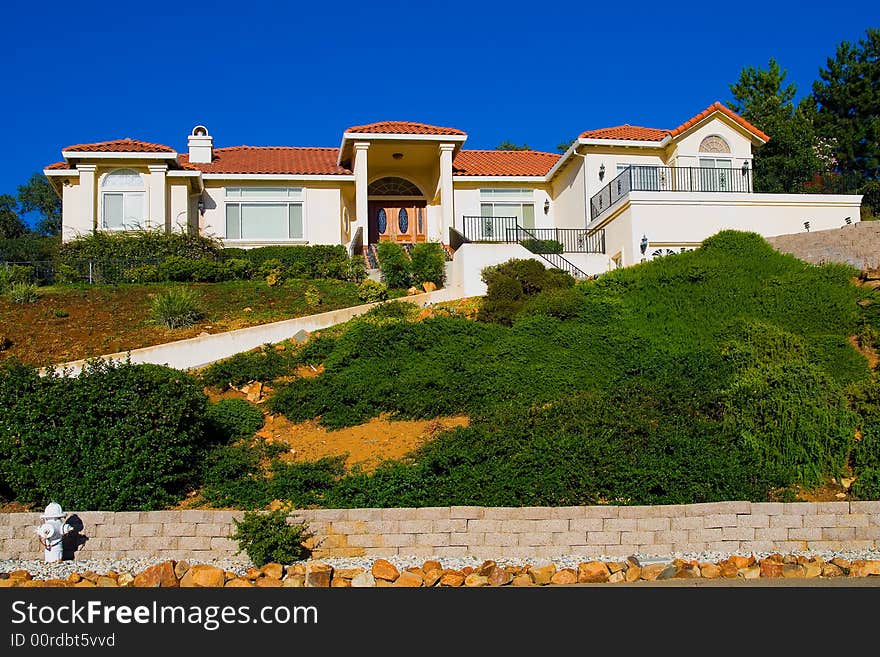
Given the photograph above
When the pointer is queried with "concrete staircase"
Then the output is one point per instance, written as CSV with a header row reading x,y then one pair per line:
x,y
857,245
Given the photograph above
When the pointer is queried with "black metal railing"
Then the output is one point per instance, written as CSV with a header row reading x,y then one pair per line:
x,y
456,238
669,179
507,230
555,259
357,242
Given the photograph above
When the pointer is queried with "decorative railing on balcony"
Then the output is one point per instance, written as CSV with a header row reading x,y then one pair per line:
x,y
669,179
507,230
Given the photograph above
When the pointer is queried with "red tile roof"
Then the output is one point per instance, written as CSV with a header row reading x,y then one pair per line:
x,y
403,128
126,145
58,165
503,163
719,107
628,132
638,133
269,160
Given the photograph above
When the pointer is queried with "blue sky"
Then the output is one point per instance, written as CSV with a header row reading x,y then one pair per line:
x,y
299,73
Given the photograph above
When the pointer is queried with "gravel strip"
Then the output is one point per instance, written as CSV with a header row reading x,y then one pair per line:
x,y
60,570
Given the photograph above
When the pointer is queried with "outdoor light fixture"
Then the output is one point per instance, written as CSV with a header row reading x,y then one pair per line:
x,y
201,206
745,168
643,245
546,206
397,156
848,220
601,172
807,226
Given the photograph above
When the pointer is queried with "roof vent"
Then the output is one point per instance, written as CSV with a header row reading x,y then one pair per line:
x,y
201,145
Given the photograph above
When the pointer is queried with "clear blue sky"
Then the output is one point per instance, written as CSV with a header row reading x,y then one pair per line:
x,y
298,73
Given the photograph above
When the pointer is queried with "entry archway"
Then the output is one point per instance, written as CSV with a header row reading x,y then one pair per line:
x,y
397,211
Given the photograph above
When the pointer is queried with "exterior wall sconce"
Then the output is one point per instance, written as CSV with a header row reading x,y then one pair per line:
x,y
847,220
397,156
546,206
201,206
601,172
745,168
807,226
643,245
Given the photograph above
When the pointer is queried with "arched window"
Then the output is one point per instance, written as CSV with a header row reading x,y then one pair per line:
x,y
393,186
714,144
122,200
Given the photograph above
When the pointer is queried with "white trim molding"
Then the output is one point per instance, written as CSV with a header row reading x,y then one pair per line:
x,y
345,177
110,155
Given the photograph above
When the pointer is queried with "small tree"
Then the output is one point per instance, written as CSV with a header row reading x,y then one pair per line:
x,y
510,146
268,538
11,225
37,195
394,264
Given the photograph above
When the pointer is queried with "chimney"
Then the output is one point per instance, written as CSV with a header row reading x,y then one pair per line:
x,y
201,145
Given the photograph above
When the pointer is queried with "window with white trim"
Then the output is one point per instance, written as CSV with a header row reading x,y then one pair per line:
x,y
122,200
264,213
509,202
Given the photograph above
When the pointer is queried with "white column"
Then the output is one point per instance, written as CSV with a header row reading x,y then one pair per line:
x,y
447,210
157,216
87,196
360,189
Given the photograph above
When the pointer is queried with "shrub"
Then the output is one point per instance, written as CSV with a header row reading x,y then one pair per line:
x,y
15,275
542,246
23,293
29,247
61,313
394,264
355,269
316,349
395,310
139,245
562,303
428,262
176,307
116,437
66,274
267,538
229,420
312,296
371,291
300,261
264,365
141,274
510,284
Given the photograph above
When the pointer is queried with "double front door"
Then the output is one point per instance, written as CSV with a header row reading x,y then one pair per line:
x,y
398,221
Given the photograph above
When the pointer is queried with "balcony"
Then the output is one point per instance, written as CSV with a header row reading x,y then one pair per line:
x,y
507,230
668,179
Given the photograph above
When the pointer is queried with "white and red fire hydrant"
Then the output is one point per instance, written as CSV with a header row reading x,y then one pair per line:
x,y
52,532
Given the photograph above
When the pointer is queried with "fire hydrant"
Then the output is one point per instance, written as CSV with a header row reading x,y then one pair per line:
x,y
52,532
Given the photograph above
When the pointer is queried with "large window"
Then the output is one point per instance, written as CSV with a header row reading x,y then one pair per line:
x,y
509,202
715,174
264,213
122,200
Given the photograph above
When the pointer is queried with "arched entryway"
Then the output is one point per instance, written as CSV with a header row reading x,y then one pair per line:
x,y
397,211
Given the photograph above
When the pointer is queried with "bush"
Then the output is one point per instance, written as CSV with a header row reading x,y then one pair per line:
x,y
29,248
371,291
117,437
394,264
510,284
312,296
268,538
428,262
299,261
316,349
355,269
564,303
542,246
138,245
229,420
23,293
394,310
177,307
264,365
140,274
15,274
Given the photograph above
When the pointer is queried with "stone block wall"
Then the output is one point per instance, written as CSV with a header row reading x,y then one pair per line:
x,y
857,245
485,532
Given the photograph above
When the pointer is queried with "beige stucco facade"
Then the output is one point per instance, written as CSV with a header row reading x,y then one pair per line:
x,y
191,191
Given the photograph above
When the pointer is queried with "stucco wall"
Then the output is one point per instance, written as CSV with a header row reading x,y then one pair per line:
x,y
689,218
686,153
322,211
471,259
467,200
486,532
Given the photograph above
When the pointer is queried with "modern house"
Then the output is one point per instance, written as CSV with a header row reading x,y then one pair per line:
x,y
616,197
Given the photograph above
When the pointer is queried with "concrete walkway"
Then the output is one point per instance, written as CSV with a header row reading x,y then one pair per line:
x,y
205,349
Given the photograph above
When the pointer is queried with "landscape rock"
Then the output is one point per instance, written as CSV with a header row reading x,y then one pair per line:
x,y
812,568
180,569
429,286
842,563
499,576
741,562
364,580
269,583
125,580
616,566
831,570
619,576
238,582
158,576
273,570
432,577
318,575
669,572
105,581
542,575
294,581
864,568
452,578
687,571
486,568
592,572
752,572
652,571
565,576
340,583
475,579
203,576
633,573
384,569
430,565
523,579
408,579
